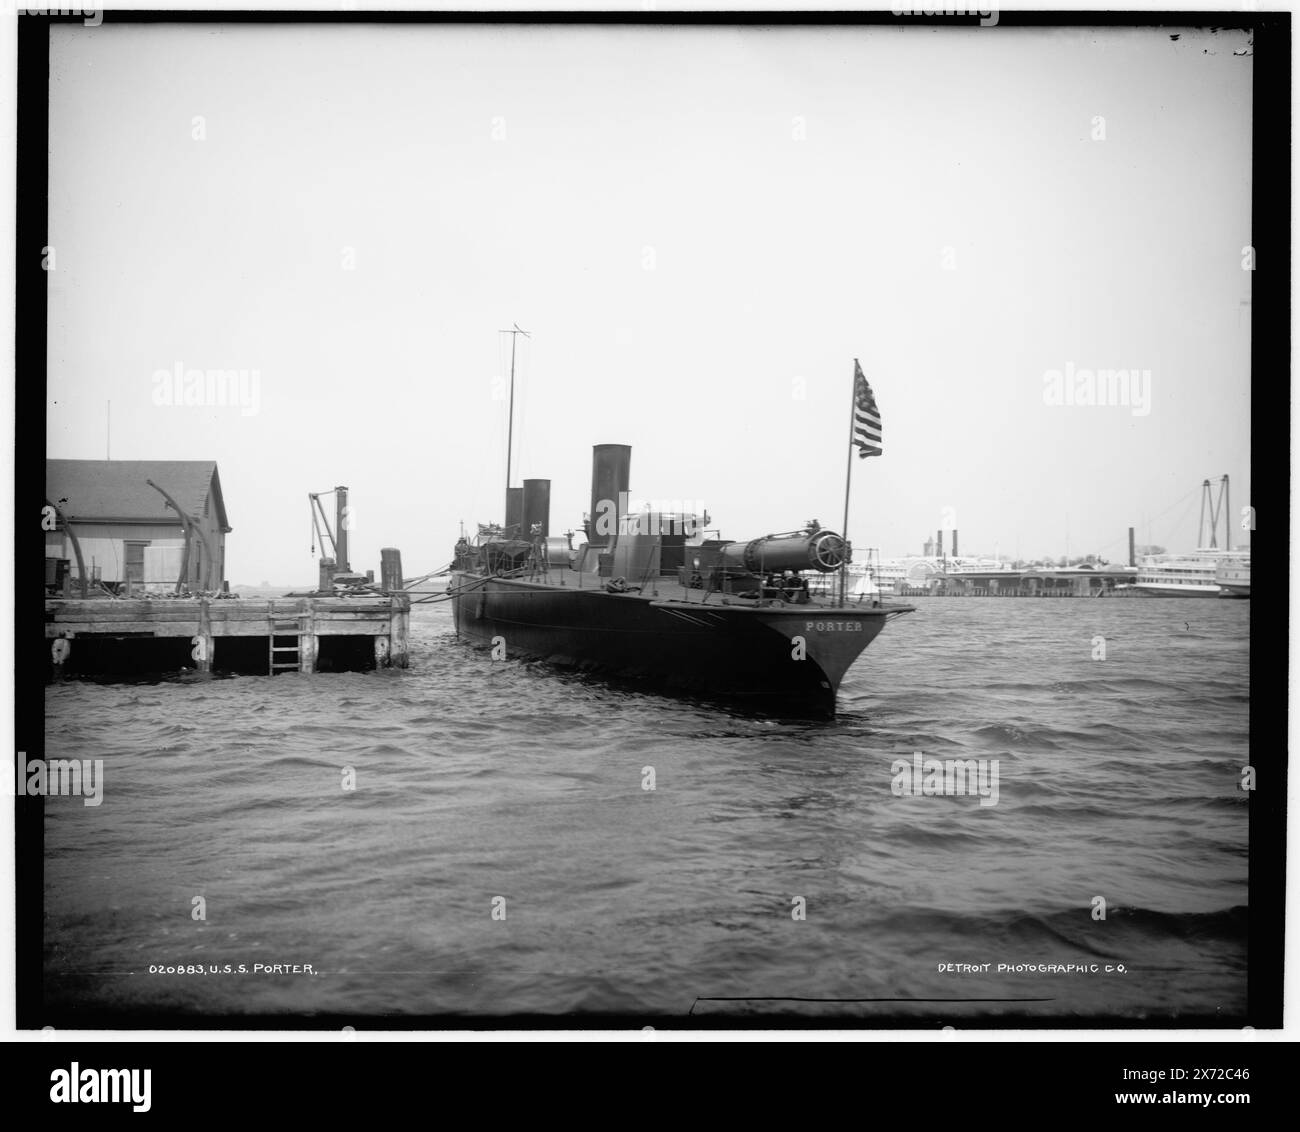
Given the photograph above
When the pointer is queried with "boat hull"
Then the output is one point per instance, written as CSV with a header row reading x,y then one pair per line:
x,y
1233,578
778,656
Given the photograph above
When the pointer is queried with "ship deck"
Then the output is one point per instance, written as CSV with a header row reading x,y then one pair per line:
x,y
669,589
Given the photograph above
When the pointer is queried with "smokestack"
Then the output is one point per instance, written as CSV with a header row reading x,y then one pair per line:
x,y
939,544
514,512
537,507
341,521
954,542
1132,553
611,469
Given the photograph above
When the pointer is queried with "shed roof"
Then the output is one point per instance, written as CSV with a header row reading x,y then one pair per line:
x,y
106,490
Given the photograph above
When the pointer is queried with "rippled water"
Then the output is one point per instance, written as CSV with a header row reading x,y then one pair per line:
x,y
1118,778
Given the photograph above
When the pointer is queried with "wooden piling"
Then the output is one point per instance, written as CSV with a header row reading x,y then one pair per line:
x,y
399,632
390,569
308,647
204,642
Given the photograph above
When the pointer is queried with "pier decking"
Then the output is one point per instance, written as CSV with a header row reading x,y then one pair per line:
x,y
296,634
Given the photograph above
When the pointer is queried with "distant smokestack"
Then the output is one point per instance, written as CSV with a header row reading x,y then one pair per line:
x,y
514,510
939,544
1132,552
342,520
537,507
611,470
954,542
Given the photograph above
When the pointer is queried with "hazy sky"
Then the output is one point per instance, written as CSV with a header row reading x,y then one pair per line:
x,y
701,228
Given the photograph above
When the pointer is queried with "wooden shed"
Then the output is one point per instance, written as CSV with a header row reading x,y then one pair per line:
x,y
129,536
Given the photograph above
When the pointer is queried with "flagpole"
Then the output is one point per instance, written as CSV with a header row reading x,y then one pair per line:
x,y
848,480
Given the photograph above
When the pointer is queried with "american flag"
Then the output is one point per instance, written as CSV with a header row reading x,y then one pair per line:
x,y
866,415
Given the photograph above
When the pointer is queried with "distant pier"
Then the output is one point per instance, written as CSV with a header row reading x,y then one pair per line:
x,y
1063,582
1004,591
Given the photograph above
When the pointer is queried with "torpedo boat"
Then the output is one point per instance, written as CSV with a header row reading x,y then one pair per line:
x,y
648,598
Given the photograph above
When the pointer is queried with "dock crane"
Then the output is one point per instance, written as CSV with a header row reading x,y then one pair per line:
x,y
337,571
336,568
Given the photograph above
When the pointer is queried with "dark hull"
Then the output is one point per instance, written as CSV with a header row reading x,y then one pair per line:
x,y
781,657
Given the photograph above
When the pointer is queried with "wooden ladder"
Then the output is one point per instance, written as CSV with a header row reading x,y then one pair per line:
x,y
281,626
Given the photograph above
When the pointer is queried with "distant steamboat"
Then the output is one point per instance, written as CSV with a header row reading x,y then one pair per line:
x,y
1182,575
1207,571
1233,576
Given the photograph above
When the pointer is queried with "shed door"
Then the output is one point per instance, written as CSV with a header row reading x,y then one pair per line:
x,y
135,562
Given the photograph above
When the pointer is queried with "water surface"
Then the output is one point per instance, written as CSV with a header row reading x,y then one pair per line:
x,y
477,780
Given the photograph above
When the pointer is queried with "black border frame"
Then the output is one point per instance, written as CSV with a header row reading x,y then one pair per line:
x,y
1270,354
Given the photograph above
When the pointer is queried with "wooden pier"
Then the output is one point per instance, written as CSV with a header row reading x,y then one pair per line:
x,y
1065,581
290,634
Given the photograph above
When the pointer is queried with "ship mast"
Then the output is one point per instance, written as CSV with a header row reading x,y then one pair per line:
x,y
848,480
1227,515
510,428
